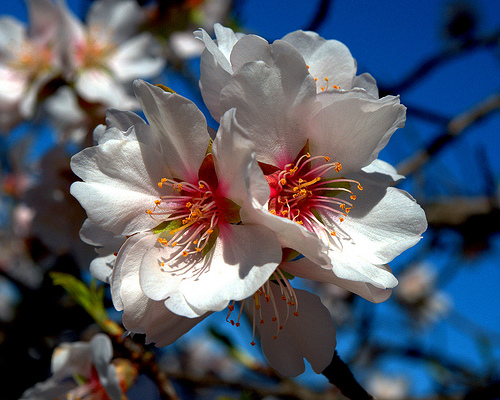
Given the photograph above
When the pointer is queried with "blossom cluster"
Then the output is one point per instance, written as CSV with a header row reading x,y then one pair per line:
x,y
188,221
72,64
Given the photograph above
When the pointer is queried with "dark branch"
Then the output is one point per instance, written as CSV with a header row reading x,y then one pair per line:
x,y
339,374
435,61
320,16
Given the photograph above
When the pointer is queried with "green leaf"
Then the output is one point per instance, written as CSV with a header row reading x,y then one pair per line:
x,y
91,299
231,211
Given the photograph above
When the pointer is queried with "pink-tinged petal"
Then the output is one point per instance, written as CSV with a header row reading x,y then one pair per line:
x,y
352,131
72,36
310,335
121,19
273,105
235,164
243,259
306,269
13,85
98,86
121,183
180,127
382,224
326,58
138,57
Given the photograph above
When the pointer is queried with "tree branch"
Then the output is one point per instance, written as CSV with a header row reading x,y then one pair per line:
x,y
455,127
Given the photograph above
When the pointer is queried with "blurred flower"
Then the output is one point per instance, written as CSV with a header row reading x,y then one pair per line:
x,y
418,294
57,215
29,58
85,370
385,387
104,56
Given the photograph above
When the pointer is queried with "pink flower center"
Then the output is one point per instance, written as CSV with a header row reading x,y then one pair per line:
x,y
190,215
94,50
302,191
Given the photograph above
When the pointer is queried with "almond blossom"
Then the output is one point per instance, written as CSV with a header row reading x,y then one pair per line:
x,y
330,62
156,185
29,58
104,56
331,199
85,370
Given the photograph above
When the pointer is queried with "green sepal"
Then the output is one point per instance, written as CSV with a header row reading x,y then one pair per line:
x,y
167,226
211,241
231,211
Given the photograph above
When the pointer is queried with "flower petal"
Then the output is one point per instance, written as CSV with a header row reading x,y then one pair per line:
x,y
180,127
273,105
306,269
120,184
244,258
383,223
311,335
325,58
352,131
138,57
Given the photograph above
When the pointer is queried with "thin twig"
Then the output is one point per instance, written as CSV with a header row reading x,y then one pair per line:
x,y
435,61
320,16
454,128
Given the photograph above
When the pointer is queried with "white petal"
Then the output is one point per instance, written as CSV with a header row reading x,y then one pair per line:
x,y
121,18
180,126
244,258
235,163
120,184
311,335
382,224
102,354
353,131
99,86
326,58
12,35
306,269
138,57
44,19
273,105
379,172
367,82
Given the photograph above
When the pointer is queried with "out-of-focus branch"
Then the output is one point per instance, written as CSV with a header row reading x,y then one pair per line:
x,y
435,61
455,127
339,374
320,15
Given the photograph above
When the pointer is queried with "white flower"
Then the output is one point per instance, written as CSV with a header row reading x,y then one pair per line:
x,y
330,62
29,58
418,294
155,185
104,56
84,370
318,152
